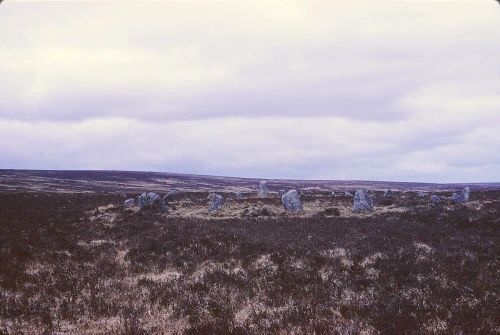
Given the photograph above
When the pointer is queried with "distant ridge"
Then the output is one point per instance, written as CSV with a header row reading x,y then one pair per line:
x,y
136,181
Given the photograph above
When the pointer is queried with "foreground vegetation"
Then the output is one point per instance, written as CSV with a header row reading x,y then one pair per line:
x,y
69,268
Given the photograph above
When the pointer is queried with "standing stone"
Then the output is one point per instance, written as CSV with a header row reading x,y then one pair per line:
x,y
435,199
466,193
332,195
462,197
151,199
362,202
291,201
170,195
388,193
263,189
215,202
129,203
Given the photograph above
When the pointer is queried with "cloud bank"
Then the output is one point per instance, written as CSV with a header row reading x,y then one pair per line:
x,y
388,91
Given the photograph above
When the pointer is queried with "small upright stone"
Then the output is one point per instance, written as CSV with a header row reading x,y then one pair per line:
x,y
215,202
152,200
362,202
263,188
332,195
291,201
435,199
388,193
462,197
129,203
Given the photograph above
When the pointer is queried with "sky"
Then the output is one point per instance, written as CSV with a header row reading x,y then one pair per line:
x,y
367,90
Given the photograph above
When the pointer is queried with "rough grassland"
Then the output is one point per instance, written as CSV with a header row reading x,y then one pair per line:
x,y
69,268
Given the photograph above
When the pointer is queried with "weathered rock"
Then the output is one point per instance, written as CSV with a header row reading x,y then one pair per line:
x,y
466,193
263,188
216,201
461,197
151,200
388,193
291,201
362,202
421,194
129,202
348,194
435,199
170,195
333,194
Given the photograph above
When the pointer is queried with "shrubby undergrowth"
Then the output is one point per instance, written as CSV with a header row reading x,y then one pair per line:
x,y
67,267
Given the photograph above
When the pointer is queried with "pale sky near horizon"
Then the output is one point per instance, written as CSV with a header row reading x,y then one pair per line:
x,y
379,90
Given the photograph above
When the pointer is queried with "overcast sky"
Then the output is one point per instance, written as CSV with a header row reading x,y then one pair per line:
x,y
376,90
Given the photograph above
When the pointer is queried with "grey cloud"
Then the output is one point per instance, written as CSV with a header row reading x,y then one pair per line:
x,y
393,90
275,148
289,102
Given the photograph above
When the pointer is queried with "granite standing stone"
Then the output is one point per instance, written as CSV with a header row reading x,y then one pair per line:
x,y
435,199
215,202
129,202
362,202
462,197
151,200
170,195
263,188
291,201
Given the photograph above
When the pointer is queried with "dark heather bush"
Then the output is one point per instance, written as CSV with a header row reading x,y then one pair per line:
x,y
66,267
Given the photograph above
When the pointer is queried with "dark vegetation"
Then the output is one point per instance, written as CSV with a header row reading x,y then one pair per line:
x,y
69,268
139,181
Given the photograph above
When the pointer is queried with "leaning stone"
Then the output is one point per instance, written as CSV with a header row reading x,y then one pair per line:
x,y
291,201
362,202
388,193
129,203
151,200
462,197
170,195
333,194
263,188
216,202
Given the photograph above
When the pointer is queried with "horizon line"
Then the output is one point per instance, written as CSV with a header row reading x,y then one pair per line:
x,y
253,178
